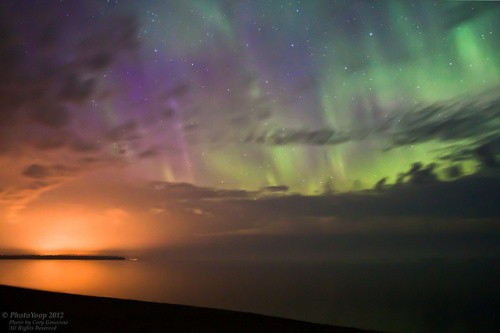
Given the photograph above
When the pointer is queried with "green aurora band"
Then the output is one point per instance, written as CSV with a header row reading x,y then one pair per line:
x,y
404,58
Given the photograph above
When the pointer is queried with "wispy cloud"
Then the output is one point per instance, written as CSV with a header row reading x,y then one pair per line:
x,y
474,118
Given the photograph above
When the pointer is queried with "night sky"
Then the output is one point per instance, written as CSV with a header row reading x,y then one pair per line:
x,y
318,127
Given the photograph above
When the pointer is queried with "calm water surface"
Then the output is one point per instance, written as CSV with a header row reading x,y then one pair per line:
x,y
436,296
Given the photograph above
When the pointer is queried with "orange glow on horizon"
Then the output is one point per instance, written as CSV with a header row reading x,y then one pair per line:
x,y
78,230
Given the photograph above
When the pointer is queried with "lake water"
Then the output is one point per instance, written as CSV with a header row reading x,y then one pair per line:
x,y
433,296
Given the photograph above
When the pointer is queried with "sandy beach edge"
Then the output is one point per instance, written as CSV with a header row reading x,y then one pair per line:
x,y
24,309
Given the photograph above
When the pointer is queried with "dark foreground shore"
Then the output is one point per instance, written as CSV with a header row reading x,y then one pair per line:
x,y
40,311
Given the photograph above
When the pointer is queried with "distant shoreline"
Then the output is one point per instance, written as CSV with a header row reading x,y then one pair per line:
x,y
59,257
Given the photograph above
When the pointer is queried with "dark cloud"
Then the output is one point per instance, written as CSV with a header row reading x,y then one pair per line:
x,y
48,37
38,185
275,189
84,147
117,35
127,32
460,12
76,89
296,136
381,184
51,141
168,112
10,51
62,170
419,175
420,196
485,154
458,154
240,120
176,91
127,131
36,171
470,124
184,191
50,71
152,152
51,115
463,118
60,75
484,151
8,116
98,61
454,171
397,210
471,196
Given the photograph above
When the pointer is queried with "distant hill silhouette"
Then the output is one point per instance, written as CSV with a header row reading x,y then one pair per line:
x,y
58,257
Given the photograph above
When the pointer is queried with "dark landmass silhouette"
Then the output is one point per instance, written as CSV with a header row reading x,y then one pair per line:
x,y
78,313
58,257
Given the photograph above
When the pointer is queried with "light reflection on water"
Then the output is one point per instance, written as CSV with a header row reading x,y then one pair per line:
x,y
418,297
122,279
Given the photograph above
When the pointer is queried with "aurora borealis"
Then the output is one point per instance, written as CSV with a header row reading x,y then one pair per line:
x,y
257,99
275,132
